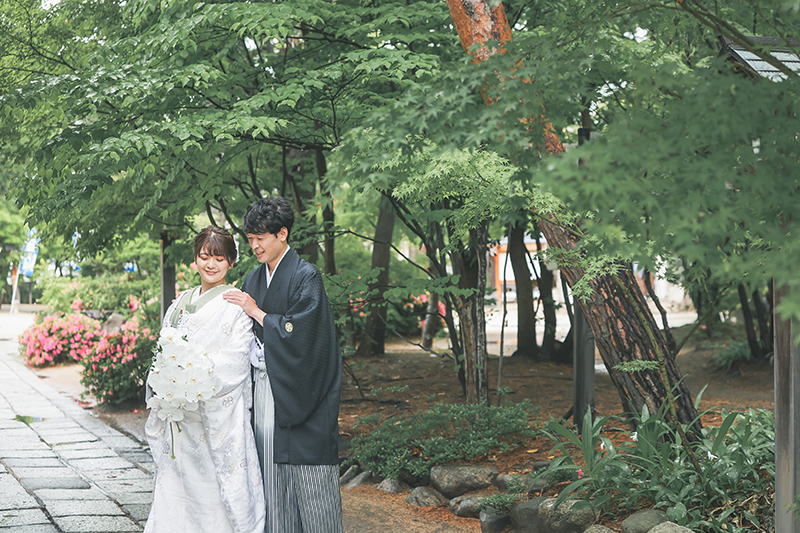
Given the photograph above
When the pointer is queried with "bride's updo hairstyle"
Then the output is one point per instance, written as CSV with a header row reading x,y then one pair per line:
x,y
215,241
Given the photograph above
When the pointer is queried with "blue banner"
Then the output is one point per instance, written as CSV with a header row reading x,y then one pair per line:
x,y
29,254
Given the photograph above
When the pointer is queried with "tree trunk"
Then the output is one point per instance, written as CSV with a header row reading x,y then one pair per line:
x,y
654,297
763,321
375,329
526,318
432,321
303,187
167,274
755,348
329,255
620,336
465,308
471,320
547,352
545,286
481,354
478,21
771,322
4,291
434,249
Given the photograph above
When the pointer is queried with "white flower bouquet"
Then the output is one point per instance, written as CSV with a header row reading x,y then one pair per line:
x,y
181,377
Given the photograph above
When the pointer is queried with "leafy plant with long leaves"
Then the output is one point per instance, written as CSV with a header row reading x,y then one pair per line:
x,y
732,491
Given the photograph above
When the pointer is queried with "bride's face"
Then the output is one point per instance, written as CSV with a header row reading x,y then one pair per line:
x,y
212,268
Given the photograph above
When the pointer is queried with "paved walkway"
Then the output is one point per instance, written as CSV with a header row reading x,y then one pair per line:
x,y
62,470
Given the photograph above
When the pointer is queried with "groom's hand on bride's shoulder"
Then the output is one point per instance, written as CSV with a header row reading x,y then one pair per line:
x,y
246,302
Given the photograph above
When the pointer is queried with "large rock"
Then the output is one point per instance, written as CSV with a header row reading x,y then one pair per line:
x,y
360,479
425,497
643,521
503,480
349,475
539,515
114,323
493,521
393,486
454,481
669,527
467,505
597,528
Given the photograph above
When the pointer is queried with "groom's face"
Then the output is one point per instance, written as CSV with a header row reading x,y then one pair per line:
x,y
268,247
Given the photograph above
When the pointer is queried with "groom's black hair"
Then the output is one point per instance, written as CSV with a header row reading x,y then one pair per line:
x,y
269,215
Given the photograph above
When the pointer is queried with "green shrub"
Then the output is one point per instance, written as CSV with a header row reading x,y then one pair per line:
x,y
350,295
440,435
733,353
516,492
731,494
502,501
109,293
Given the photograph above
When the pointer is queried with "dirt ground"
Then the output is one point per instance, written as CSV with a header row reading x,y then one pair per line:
x,y
431,380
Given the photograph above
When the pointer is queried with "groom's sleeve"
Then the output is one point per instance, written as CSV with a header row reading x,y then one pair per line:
x,y
301,350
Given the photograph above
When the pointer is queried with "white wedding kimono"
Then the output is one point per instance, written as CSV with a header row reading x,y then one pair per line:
x,y
214,483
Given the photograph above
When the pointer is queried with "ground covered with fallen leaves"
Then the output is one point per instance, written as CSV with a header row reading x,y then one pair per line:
x,y
548,386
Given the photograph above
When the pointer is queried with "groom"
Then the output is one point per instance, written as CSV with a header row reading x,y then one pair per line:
x,y
301,371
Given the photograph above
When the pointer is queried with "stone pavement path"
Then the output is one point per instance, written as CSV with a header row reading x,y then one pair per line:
x,y
62,470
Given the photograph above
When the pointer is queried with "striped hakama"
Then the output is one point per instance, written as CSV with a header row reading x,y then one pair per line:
x,y
300,498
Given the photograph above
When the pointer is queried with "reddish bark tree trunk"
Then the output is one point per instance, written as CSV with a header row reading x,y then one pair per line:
x,y
477,21
620,334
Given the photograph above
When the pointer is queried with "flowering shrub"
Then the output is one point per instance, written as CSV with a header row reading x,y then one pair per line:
x,y
59,339
419,305
116,369
407,317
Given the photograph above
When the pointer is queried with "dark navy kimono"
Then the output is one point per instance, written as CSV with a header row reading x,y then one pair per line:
x,y
303,360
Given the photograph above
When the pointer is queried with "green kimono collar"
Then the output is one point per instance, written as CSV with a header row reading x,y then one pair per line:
x,y
186,305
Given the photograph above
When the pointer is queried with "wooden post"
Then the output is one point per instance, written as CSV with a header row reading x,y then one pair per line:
x,y
582,347
787,418
167,275
583,367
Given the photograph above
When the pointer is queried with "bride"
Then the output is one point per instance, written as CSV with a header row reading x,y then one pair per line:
x,y
213,483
